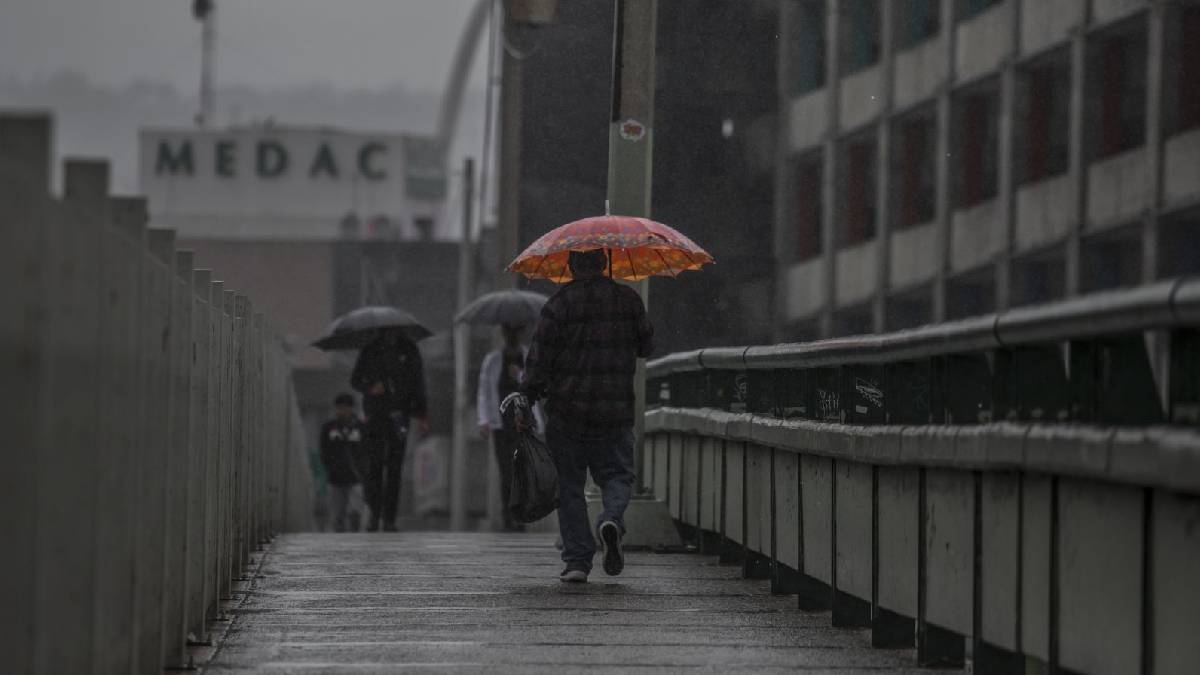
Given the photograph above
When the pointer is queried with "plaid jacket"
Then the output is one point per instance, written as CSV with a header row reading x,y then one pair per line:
x,y
584,353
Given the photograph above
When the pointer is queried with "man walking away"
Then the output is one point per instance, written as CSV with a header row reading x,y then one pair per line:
x,y
342,455
582,361
499,376
390,375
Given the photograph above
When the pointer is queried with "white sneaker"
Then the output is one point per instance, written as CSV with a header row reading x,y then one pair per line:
x,y
573,576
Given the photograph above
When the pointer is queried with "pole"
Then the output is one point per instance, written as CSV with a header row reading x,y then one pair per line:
x,y
205,12
462,337
507,238
631,144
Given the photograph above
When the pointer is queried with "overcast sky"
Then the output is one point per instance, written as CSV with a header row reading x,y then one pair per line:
x,y
262,43
377,65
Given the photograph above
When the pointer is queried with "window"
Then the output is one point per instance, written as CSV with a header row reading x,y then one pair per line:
x,y
856,187
909,310
915,21
1039,277
1179,245
1116,89
1181,65
807,206
968,9
1043,119
1111,260
807,46
857,320
914,170
860,28
975,135
971,294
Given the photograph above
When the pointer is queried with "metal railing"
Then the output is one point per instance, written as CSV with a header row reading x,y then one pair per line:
x,y
1020,487
152,438
1120,357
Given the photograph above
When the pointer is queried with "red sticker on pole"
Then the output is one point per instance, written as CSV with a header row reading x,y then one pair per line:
x,y
633,130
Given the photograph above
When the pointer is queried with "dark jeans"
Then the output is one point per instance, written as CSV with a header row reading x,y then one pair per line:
x,y
386,464
609,457
505,442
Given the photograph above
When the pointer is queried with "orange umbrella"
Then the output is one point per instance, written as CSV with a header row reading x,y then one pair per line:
x,y
638,248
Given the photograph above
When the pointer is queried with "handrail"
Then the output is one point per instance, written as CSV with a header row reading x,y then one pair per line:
x,y
1163,304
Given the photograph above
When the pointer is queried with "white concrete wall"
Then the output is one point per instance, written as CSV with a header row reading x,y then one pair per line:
x,y
899,494
857,273
949,548
1044,23
816,494
977,235
1118,189
1000,532
1176,593
854,548
1181,167
983,42
787,508
1100,547
919,71
861,98
1108,10
809,120
915,255
1046,210
806,289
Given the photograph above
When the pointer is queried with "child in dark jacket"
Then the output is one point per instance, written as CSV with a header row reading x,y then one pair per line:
x,y
342,454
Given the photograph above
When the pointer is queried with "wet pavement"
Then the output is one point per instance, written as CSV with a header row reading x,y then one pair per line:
x,y
474,603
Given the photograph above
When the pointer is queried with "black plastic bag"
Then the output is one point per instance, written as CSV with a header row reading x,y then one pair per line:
x,y
534,489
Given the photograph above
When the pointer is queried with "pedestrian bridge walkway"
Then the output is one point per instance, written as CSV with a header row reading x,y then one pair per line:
x,y
473,602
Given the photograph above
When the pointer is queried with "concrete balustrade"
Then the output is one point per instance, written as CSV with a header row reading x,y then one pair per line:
x,y
1016,545
152,438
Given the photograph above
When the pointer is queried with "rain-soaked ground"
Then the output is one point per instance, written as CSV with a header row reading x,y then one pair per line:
x,y
448,602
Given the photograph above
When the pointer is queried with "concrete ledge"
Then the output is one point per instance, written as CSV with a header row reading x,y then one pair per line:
x,y
1163,457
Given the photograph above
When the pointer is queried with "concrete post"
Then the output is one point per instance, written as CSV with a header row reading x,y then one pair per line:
x,y
212,584
1154,137
829,163
63,579
1006,188
883,217
152,466
117,440
25,282
944,211
200,500
180,347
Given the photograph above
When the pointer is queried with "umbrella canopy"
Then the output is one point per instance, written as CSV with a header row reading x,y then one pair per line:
x,y
356,329
638,248
512,307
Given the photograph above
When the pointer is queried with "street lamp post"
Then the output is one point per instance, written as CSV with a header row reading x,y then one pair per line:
x,y
631,144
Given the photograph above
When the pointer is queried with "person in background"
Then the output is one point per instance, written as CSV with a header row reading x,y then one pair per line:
x,y
342,456
582,362
390,375
500,375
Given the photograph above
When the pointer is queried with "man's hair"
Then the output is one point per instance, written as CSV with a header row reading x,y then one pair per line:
x,y
587,262
344,399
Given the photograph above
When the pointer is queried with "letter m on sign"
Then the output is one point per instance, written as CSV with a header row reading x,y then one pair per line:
x,y
177,161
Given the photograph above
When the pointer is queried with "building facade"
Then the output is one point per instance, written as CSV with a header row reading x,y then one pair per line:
x,y
948,158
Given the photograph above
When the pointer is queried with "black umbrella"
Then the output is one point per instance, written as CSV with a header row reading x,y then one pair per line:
x,y
357,329
516,308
